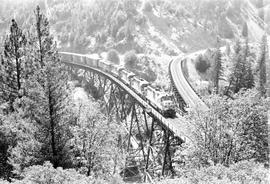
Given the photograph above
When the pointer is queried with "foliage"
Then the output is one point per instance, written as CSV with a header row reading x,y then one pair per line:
x,y
201,64
20,135
94,144
13,65
46,173
248,73
113,56
147,6
41,113
247,172
262,65
217,70
13,74
131,60
231,131
242,75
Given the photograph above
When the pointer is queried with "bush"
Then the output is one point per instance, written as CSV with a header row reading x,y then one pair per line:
x,y
244,172
201,64
131,60
230,131
141,20
113,56
46,173
147,6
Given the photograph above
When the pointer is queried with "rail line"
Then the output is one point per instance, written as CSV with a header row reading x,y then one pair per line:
x,y
178,126
183,87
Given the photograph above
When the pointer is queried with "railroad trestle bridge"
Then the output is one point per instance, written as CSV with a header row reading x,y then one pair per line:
x,y
151,139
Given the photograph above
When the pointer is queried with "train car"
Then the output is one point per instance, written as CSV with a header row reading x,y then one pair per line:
x,y
77,59
143,86
89,61
84,59
131,76
151,93
124,76
104,65
95,62
114,70
135,84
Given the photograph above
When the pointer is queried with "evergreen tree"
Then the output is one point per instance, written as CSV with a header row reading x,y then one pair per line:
x,y
218,70
41,39
48,90
12,68
241,77
46,104
262,65
248,78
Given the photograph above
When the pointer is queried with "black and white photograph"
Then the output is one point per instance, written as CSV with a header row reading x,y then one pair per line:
x,y
134,91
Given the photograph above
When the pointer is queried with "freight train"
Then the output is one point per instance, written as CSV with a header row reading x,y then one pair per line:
x,y
159,100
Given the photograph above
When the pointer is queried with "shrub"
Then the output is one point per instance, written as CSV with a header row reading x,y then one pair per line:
x,y
46,173
244,172
147,6
131,60
231,130
201,64
247,172
113,56
141,20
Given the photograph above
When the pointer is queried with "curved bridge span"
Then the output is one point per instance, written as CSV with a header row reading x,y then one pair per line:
x,y
184,91
171,124
152,139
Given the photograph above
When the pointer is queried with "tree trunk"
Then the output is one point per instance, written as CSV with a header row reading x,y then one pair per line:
x,y
52,130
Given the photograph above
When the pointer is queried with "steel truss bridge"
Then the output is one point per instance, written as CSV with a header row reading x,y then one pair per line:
x,y
151,139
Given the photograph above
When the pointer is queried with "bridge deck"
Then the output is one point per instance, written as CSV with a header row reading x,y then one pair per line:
x,y
177,125
183,86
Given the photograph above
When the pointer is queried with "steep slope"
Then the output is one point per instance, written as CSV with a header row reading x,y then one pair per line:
x,y
159,29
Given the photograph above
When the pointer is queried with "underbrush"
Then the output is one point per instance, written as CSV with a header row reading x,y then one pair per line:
x,y
246,172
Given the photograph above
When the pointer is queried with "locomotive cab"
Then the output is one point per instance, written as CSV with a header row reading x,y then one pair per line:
x,y
168,106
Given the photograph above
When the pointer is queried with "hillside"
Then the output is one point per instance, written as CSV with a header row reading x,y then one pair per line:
x,y
160,29
150,27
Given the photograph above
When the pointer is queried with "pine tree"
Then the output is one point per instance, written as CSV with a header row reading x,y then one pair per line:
x,y
47,93
218,70
41,39
12,68
234,84
248,78
52,103
262,65
242,76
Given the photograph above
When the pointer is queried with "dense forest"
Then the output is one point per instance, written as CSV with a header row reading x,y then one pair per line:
x,y
48,136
